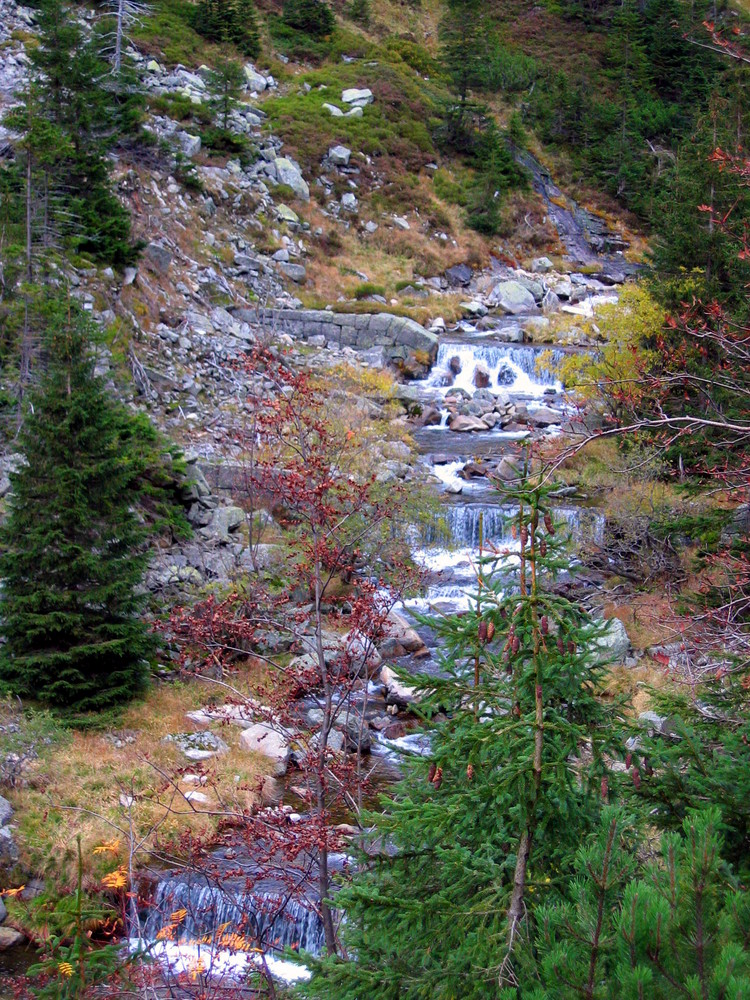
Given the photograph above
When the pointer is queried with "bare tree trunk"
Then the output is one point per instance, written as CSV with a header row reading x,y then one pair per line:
x,y
25,360
118,37
324,882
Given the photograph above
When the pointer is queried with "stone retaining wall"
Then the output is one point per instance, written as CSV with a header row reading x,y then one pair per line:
x,y
398,335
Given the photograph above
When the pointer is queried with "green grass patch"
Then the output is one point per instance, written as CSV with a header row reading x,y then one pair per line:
x,y
368,288
167,33
180,108
395,125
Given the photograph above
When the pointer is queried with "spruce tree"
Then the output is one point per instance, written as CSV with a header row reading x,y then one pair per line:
x,y
70,95
73,547
313,17
232,21
225,82
489,822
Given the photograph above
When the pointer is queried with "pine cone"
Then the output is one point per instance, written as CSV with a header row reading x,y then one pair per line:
x,y
482,632
543,548
604,789
560,645
490,631
549,525
544,625
431,773
524,536
636,778
438,779
515,644
470,772
571,646
628,759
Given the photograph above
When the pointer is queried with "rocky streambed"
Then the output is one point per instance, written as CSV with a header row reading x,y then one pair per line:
x,y
485,392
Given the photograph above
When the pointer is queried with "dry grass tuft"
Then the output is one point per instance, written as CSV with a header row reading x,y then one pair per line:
x,y
83,784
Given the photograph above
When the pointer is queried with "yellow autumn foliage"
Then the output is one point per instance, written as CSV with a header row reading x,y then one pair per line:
x,y
626,326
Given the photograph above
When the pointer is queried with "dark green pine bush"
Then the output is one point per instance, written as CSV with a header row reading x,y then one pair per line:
x,y
313,17
232,21
73,547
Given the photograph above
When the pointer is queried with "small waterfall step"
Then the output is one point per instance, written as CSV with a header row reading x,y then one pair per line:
x,y
192,911
511,368
458,525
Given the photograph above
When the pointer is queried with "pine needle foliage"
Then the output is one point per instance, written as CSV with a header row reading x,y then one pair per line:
x,y
488,824
73,547
232,21
676,929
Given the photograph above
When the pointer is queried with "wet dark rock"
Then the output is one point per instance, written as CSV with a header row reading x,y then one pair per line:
x,y
459,275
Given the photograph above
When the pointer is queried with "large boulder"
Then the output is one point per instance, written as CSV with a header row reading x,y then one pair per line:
x,y
271,743
511,297
402,694
254,80
287,173
157,258
360,98
613,645
462,423
545,416
398,628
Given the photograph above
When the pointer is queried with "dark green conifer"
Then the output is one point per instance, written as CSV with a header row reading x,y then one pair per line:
x,y
232,21
677,928
73,547
486,825
314,17
70,94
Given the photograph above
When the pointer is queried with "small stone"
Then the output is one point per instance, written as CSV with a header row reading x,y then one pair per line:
x,y
334,111
339,156
286,214
542,265
349,203
400,222
9,938
6,811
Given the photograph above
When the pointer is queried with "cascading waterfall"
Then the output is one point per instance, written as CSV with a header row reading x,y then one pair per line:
x,y
508,367
194,912
458,525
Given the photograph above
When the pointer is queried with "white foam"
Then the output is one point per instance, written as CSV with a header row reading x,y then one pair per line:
x,y
494,360
217,963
